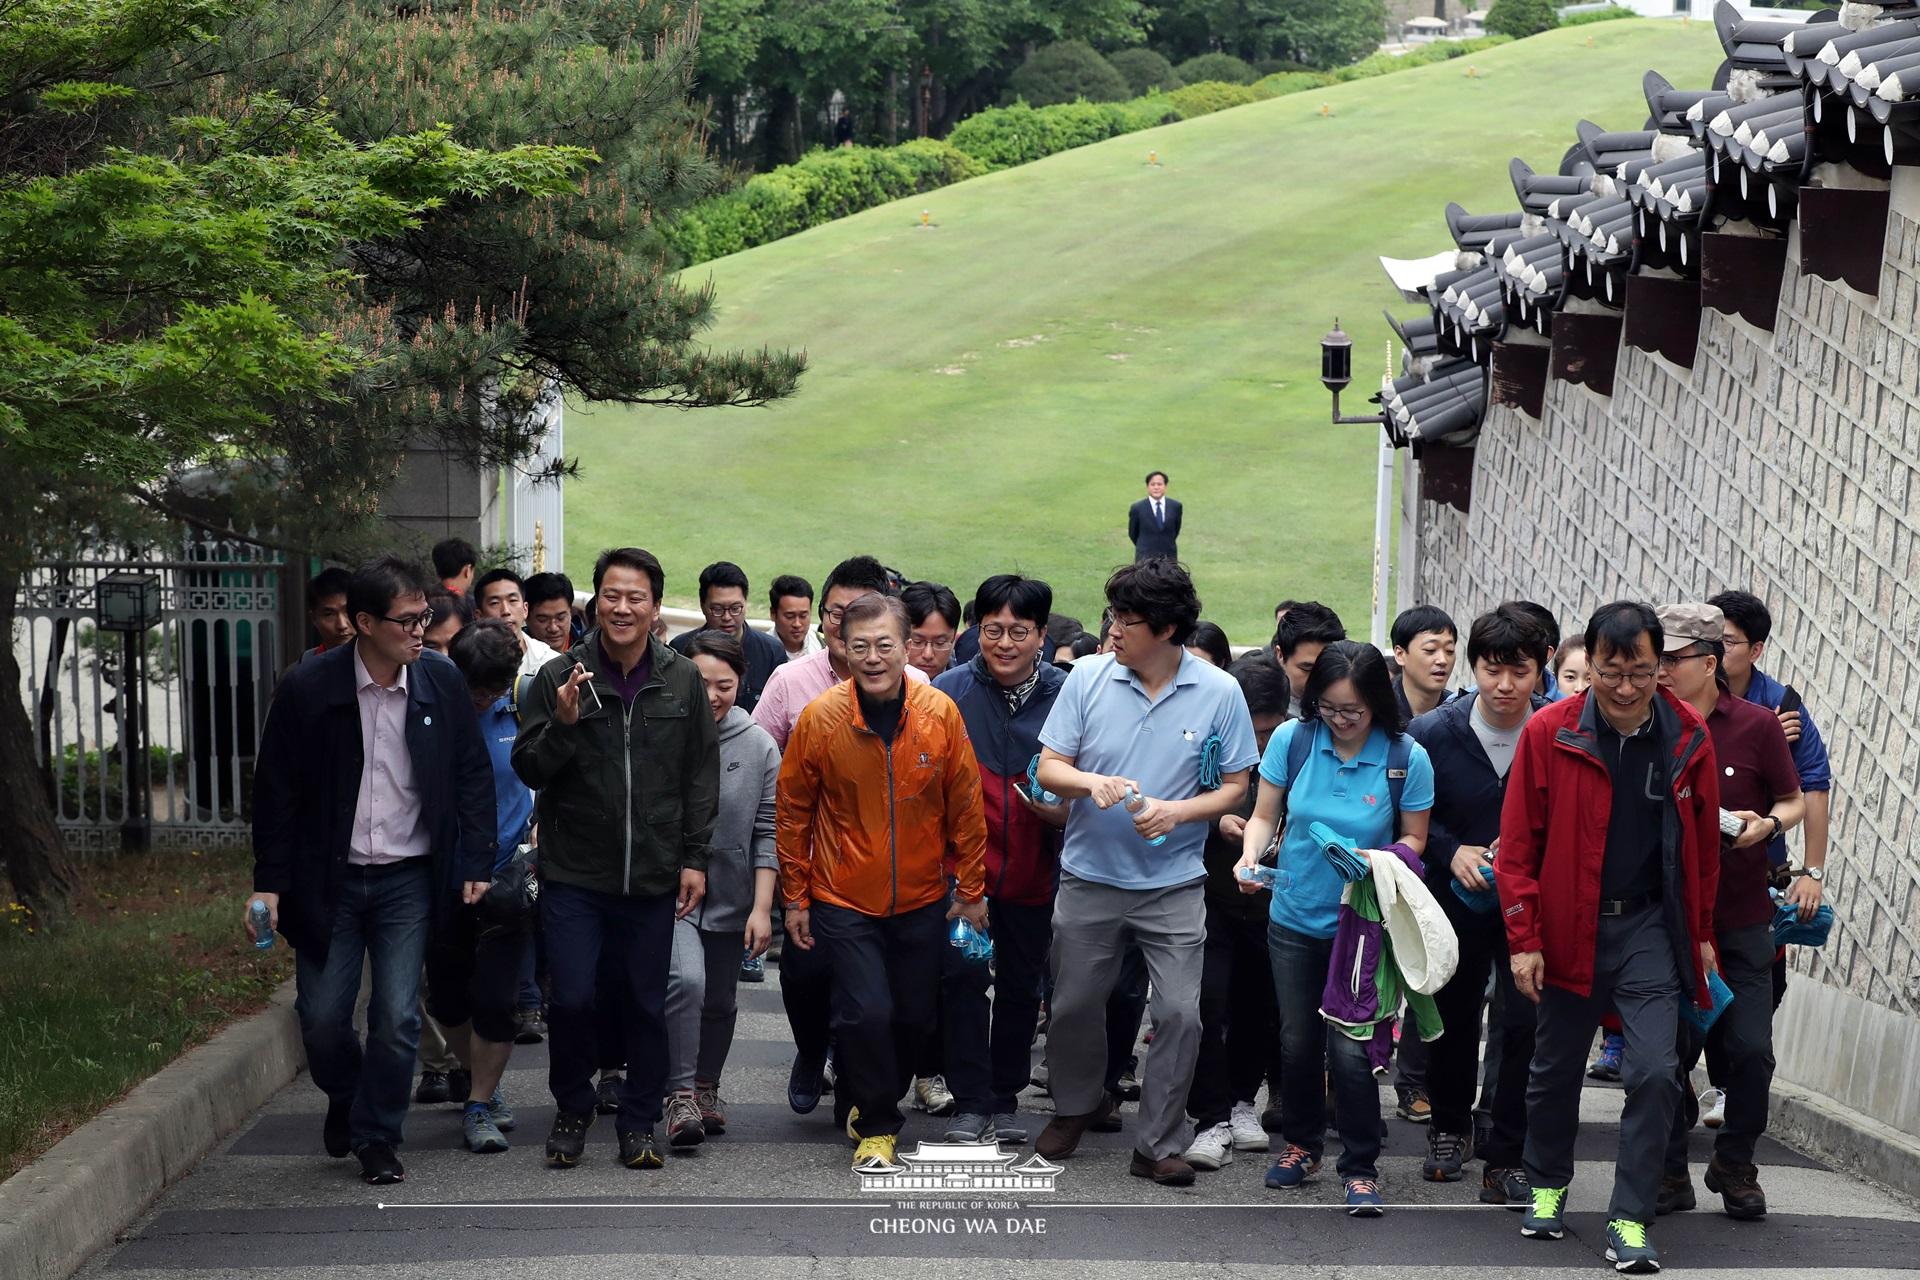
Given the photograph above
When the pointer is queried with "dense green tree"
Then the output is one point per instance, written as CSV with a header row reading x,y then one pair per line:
x,y
1316,33
1067,71
1223,67
1145,71
1521,18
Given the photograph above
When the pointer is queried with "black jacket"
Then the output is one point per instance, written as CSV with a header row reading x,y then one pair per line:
x,y
1467,796
764,655
1149,538
628,796
306,784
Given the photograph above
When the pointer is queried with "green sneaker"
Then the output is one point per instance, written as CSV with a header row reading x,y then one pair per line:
x,y
1543,1221
1628,1249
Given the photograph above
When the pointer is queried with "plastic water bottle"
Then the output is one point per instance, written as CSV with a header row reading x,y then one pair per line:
x,y
1135,802
260,920
1267,877
973,944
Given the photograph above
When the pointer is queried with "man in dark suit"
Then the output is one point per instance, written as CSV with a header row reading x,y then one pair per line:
x,y
373,822
1153,523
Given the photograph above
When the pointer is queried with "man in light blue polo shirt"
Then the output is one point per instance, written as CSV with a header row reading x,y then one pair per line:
x,y
1149,719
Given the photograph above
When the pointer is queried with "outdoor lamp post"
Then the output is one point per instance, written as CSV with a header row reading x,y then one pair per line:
x,y
129,603
1336,372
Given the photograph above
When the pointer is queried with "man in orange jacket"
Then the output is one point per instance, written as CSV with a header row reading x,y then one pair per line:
x,y
878,783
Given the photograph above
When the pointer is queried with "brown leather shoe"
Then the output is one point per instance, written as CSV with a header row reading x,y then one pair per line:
x,y
1169,1171
1061,1137
1739,1188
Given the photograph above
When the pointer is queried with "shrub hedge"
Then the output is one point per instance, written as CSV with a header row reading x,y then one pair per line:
x,y
1217,66
827,184
1144,71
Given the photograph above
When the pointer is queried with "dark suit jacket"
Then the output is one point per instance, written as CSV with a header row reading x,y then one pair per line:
x,y
764,653
306,784
1148,537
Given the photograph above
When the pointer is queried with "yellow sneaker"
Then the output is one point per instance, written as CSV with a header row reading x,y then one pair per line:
x,y
880,1148
853,1118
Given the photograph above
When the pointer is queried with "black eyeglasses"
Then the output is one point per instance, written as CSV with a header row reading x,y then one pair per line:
x,y
412,622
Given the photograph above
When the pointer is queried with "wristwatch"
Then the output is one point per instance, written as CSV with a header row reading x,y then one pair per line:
x,y
1778,827
1816,874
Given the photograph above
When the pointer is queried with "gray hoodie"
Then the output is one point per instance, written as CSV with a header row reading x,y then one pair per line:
x,y
743,833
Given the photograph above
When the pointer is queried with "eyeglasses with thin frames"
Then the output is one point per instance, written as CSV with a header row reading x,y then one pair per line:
x,y
878,648
412,622
1614,679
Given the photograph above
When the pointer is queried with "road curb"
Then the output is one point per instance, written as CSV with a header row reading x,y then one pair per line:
x,y
76,1199
1846,1138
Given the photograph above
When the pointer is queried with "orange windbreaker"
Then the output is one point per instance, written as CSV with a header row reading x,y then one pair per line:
x,y
867,827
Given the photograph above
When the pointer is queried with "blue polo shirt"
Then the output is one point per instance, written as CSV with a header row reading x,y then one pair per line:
x,y
1809,753
513,799
1351,797
1105,723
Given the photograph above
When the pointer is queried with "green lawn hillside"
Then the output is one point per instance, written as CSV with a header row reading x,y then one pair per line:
x,y
987,394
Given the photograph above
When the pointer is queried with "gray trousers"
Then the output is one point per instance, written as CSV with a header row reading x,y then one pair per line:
x,y
1092,925
1634,974
686,994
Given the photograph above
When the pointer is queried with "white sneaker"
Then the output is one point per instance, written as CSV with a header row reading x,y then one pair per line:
x,y
1713,1108
931,1095
1211,1148
1040,1078
1247,1133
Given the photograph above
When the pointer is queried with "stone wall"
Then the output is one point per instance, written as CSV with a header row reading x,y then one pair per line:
x,y
1787,464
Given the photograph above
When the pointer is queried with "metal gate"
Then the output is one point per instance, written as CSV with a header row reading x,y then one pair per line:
x,y
150,732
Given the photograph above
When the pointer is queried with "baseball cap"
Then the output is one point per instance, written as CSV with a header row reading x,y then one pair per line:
x,y
1688,624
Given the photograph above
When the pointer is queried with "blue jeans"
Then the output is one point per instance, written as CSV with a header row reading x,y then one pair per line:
x,y
380,914
630,940
1311,1050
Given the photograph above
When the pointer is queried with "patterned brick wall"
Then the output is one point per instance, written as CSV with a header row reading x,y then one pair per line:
x,y
1787,464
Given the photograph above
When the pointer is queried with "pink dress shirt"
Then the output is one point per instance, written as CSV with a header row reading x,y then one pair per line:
x,y
387,823
793,685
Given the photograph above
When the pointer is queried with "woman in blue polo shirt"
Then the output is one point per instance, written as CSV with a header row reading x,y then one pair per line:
x,y
1350,711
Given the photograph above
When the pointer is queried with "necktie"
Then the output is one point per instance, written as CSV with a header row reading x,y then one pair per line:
x,y
1159,514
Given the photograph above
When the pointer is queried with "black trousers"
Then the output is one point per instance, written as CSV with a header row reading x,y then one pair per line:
x,y
475,975
1743,1037
1239,1024
806,992
885,970
959,1048
601,944
1453,1061
1022,937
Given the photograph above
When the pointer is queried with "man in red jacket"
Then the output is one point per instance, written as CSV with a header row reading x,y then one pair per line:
x,y
1607,870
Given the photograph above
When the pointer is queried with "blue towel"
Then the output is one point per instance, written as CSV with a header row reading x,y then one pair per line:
x,y
1703,1019
1790,929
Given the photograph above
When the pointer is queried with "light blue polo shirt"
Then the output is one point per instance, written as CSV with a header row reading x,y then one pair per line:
x,y
1105,723
1352,798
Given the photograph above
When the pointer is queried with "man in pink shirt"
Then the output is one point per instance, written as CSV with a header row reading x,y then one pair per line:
x,y
805,984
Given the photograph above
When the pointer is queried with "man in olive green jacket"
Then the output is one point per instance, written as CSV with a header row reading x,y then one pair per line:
x,y
616,738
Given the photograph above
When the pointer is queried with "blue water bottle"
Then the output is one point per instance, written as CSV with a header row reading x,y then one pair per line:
x,y
1263,875
1136,802
973,944
260,920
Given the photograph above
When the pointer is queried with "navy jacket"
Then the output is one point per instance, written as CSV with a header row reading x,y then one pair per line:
x,y
1149,537
1023,853
1467,795
764,653
306,784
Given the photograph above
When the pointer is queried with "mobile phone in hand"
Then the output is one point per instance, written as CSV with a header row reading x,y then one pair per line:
x,y
589,696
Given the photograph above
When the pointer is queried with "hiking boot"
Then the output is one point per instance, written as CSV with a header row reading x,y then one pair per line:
x,y
1009,1127
1606,1066
1739,1188
567,1140
713,1108
969,1126
1295,1166
482,1135
379,1166
1248,1133
459,1086
1414,1107
500,1113
1363,1198
1628,1248
1676,1194
1446,1152
753,969
1127,1088
1545,1220
530,1028
1713,1108
685,1128
805,1083
1061,1137
931,1095
607,1096
433,1088
879,1147
1506,1187
337,1132
1168,1171
637,1149
1211,1148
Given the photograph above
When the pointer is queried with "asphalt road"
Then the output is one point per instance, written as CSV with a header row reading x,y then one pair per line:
x,y
775,1196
